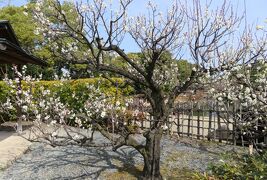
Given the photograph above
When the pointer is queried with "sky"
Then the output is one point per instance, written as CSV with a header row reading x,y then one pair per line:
x,y
256,11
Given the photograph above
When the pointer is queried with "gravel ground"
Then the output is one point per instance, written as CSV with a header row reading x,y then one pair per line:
x,y
43,162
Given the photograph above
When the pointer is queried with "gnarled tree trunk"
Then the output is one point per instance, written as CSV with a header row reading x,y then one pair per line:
x,y
151,155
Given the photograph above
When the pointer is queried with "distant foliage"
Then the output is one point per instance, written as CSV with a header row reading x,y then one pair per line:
x,y
22,22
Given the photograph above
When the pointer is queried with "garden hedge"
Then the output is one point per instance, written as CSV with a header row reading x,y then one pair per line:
x,y
65,89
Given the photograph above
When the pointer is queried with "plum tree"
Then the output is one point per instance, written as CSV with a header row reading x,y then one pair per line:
x,y
209,36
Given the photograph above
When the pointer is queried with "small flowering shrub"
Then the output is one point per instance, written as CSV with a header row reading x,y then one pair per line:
x,y
115,114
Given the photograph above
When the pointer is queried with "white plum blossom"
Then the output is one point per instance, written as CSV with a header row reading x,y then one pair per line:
x,y
244,87
103,114
259,27
96,30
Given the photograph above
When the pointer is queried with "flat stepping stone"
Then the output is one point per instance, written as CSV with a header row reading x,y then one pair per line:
x,y
11,147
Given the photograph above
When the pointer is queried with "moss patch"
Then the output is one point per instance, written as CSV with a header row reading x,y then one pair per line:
x,y
125,171
171,172
131,172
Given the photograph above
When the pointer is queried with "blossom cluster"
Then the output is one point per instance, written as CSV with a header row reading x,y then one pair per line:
x,y
242,91
49,113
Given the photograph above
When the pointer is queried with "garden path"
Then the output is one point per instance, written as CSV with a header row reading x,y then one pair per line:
x,y
72,162
12,146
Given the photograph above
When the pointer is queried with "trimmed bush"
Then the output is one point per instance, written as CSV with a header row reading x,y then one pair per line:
x,y
65,89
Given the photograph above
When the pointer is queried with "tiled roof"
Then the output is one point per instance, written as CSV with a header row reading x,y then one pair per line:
x,y
10,49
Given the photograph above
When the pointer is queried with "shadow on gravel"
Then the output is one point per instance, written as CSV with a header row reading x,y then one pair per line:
x,y
73,162
5,134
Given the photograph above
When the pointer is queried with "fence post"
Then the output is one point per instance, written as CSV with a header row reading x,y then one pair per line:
x,y
257,128
203,123
192,121
168,124
219,123
265,137
190,115
178,122
188,124
183,117
227,124
241,116
234,124
198,122
210,119
150,120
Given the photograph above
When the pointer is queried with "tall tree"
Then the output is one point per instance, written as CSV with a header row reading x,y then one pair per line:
x,y
209,36
24,27
22,20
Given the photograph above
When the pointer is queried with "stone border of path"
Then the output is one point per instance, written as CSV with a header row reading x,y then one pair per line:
x,y
11,148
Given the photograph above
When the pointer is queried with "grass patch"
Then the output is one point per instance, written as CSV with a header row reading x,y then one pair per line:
x,y
177,173
168,171
124,171
131,172
135,172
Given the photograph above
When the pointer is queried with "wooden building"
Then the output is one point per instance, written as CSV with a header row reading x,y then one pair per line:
x,y
10,49
12,53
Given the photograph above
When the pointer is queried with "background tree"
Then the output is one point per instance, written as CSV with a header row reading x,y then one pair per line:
x,y
22,20
24,27
185,67
209,36
243,96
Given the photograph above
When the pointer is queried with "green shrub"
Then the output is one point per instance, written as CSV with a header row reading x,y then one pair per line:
x,y
65,89
239,167
4,91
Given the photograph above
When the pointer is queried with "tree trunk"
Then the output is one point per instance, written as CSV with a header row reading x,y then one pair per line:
x,y
151,155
